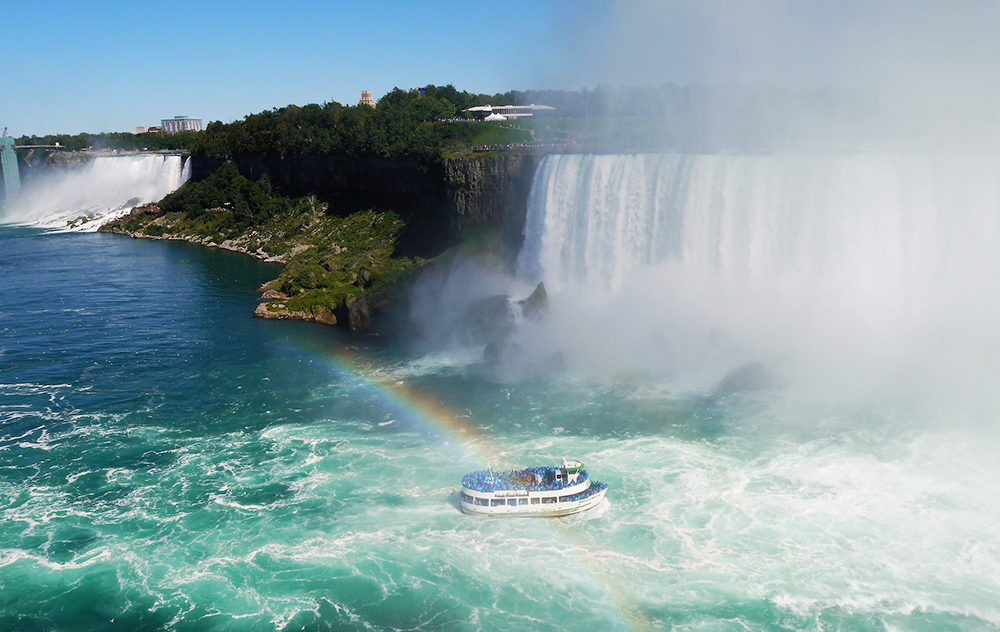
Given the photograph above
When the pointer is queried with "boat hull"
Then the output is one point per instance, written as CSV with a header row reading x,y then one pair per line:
x,y
541,510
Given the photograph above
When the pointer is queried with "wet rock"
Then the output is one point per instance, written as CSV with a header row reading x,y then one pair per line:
x,y
365,277
536,306
354,313
486,319
263,311
501,352
323,314
747,378
278,311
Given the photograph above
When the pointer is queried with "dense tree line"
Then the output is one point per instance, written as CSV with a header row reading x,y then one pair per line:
x,y
408,123
114,140
412,123
425,122
402,124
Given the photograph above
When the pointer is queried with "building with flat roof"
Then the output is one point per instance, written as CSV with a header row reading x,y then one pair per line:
x,y
366,99
181,124
504,112
144,129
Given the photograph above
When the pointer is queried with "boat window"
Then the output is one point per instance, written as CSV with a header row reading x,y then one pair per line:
x,y
511,501
565,499
496,502
536,501
549,500
522,501
466,498
482,501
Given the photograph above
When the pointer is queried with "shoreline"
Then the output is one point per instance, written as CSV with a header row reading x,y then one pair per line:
x,y
227,244
329,274
271,305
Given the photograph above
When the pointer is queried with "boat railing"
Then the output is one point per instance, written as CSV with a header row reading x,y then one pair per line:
x,y
489,481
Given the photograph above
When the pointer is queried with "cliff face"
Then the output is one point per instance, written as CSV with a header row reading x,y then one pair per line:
x,y
491,190
437,200
34,164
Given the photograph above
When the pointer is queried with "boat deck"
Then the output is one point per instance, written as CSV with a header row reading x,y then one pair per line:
x,y
532,479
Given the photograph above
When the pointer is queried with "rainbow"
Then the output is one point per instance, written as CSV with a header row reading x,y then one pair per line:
x,y
473,447
413,408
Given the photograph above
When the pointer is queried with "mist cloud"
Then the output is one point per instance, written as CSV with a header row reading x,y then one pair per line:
x,y
852,45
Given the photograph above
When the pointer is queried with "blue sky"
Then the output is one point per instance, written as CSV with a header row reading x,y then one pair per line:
x,y
108,66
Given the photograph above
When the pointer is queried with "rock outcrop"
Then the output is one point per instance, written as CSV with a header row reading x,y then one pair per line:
x,y
501,354
354,313
748,378
490,189
486,319
535,306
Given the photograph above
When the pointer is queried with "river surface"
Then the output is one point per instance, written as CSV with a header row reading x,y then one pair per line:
x,y
168,462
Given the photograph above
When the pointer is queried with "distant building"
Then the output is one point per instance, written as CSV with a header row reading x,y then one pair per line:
x,y
181,124
146,129
504,112
420,91
366,99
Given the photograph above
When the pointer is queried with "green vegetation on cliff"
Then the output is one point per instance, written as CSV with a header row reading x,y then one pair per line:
x,y
248,202
337,269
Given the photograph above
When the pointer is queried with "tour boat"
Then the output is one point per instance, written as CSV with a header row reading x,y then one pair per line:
x,y
535,491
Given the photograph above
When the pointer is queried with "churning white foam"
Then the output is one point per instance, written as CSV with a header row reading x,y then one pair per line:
x,y
84,198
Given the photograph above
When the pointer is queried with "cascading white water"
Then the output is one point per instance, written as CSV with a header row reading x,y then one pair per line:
x,y
596,218
854,265
105,188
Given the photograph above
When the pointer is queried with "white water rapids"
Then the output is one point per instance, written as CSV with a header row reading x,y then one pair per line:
x,y
82,199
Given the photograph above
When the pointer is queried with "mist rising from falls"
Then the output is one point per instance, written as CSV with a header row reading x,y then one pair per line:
x,y
867,271
84,198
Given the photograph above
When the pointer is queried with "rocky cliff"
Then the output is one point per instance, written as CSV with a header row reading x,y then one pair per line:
x,y
438,200
490,190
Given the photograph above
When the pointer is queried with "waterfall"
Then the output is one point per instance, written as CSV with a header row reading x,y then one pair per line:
x,y
84,198
596,219
883,260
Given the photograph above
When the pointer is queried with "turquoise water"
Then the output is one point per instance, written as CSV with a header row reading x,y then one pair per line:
x,y
169,462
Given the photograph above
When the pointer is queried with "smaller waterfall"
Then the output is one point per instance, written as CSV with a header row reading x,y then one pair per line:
x,y
102,190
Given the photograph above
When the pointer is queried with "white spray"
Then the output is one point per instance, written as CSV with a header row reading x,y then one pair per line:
x,y
83,199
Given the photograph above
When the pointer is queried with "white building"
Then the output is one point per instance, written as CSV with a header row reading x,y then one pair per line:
x,y
504,112
181,124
